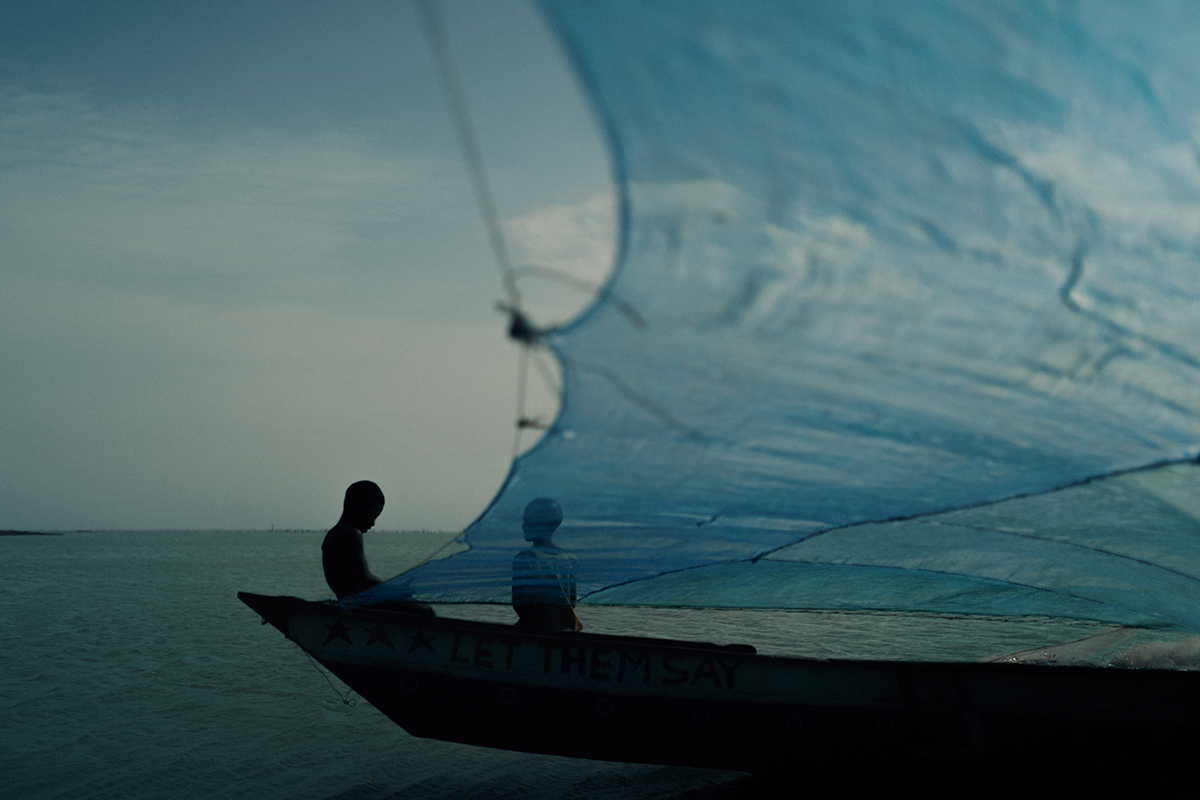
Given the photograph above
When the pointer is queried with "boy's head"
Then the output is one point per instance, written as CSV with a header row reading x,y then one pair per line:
x,y
542,518
363,504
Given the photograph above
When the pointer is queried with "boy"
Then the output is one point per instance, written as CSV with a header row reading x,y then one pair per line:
x,y
342,555
543,590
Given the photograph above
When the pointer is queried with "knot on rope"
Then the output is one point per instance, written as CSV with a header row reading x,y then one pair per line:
x,y
520,328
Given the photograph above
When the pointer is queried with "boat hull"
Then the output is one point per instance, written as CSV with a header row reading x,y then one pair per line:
x,y
668,702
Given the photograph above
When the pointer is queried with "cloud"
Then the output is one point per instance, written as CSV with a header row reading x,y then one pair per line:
x,y
1154,186
579,239
129,196
222,327
564,253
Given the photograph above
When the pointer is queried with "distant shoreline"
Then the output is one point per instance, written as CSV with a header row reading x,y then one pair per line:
x,y
28,533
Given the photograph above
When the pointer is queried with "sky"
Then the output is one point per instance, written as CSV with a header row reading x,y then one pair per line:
x,y
243,265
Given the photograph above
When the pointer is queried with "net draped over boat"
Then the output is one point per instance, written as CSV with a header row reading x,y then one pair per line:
x,y
880,261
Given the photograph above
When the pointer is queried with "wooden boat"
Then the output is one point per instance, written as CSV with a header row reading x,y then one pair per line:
x,y
870,344
658,701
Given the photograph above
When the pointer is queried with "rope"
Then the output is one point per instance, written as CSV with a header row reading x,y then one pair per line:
x,y
522,371
346,701
547,376
520,329
456,97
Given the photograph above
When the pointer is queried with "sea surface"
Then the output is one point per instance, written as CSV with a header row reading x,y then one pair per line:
x,y
130,670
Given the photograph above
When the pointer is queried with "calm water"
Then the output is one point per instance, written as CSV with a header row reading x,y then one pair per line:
x,y
131,670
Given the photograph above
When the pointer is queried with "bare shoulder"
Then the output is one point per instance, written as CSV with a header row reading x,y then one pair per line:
x,y
343,537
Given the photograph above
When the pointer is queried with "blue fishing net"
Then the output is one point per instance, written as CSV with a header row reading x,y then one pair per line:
x,y
880,261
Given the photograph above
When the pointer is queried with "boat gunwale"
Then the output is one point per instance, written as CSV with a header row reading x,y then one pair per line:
x,y
537,636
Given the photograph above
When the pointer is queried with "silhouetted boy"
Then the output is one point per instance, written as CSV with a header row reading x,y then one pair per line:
x,y
543,589
342,554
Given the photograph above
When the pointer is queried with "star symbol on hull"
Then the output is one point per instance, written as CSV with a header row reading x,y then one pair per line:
x,y
379,634
421,639
338,631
